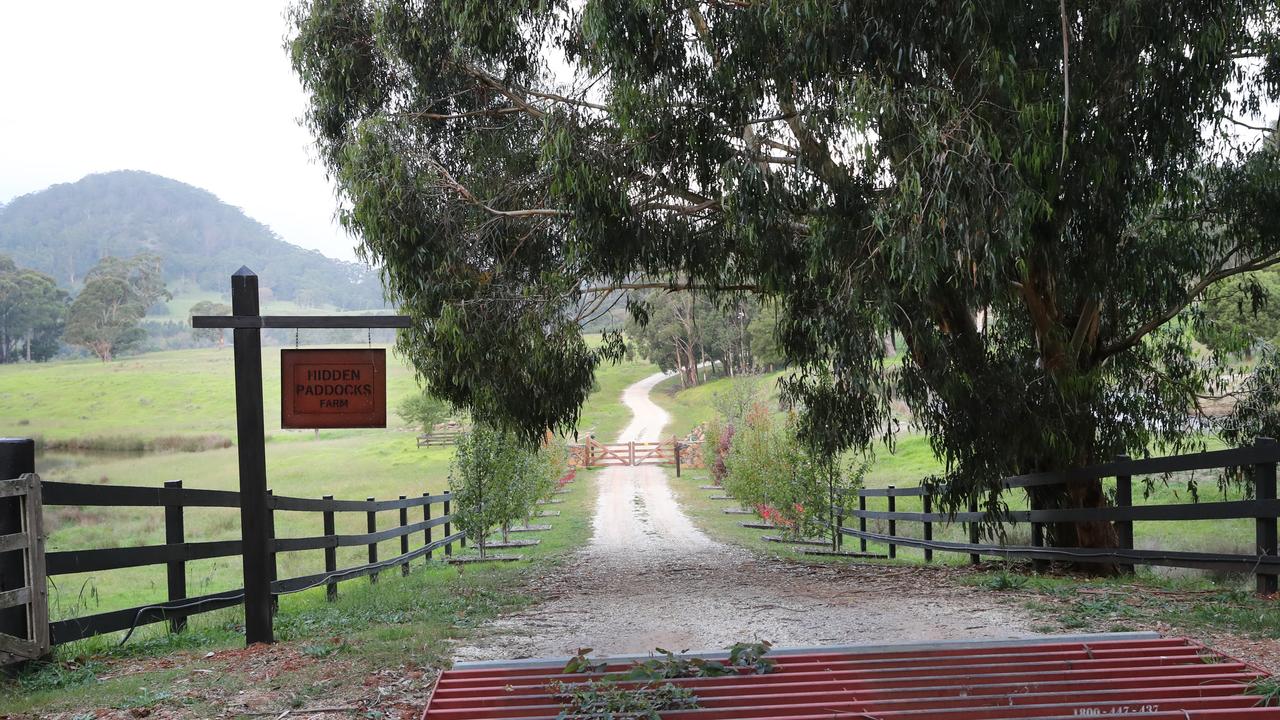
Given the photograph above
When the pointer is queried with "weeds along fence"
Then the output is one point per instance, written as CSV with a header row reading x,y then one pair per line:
x,y
177,550
1258,463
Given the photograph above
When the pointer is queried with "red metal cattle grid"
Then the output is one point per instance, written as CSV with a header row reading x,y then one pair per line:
x,y
1138,675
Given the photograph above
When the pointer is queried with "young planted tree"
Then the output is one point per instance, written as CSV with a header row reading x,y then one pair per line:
x,y
497,478
1030,195
423,410
791,483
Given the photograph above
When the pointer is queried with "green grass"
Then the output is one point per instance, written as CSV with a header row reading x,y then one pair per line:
x,y
181,392
604,414
384,467
401,623
911,459
693,406
191,393
185,296
1066,603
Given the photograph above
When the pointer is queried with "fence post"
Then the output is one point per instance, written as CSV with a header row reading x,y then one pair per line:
x,y
1037,536
252,458
426,517
839,537
404,539
675,443
272,567
174,534
1264,480
330,553
928,526
862,521
18,458
372,525
448,524
1124,499
974,558
632,450
893,524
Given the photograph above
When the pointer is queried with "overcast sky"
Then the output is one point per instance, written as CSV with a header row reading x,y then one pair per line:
x,y
196,90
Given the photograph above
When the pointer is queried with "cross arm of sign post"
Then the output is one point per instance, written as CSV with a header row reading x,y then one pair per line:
x,y
247,324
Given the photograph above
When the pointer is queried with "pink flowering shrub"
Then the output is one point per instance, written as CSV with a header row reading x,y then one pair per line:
x,y
723,445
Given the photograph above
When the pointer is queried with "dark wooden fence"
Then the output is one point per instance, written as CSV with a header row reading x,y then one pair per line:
x,y
1258,461
177,550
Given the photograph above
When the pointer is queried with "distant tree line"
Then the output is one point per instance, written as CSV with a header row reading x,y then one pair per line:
x,y
32,312
37,317
683,332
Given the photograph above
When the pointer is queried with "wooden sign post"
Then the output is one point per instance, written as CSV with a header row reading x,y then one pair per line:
x,y
247,325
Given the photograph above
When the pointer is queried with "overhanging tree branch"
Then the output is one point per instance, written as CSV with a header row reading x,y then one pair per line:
x,y
1196,290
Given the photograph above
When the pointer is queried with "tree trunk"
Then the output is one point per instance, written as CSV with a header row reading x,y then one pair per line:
x,y
1098,534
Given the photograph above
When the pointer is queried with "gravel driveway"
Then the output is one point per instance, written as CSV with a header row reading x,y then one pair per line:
x,y
650,578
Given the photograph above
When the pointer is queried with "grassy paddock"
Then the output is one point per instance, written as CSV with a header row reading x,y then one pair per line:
x,y
1226,536
157,395
353,468
331,648
191,395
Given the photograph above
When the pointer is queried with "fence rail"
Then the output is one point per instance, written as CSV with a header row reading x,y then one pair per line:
x,y
1263,510
177,551
440,437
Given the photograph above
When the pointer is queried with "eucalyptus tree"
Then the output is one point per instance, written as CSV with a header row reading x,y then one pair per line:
x,y
216,336
1030,194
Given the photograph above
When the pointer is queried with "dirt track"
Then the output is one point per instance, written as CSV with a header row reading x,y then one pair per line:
x,y
650,578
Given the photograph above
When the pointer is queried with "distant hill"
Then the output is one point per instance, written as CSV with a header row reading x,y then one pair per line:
x,y
65,229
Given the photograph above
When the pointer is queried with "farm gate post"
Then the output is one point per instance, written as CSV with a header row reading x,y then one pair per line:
x,y
974,558
175,571
24,599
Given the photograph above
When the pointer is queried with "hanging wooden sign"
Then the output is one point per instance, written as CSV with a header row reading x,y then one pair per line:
x,y
333,388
